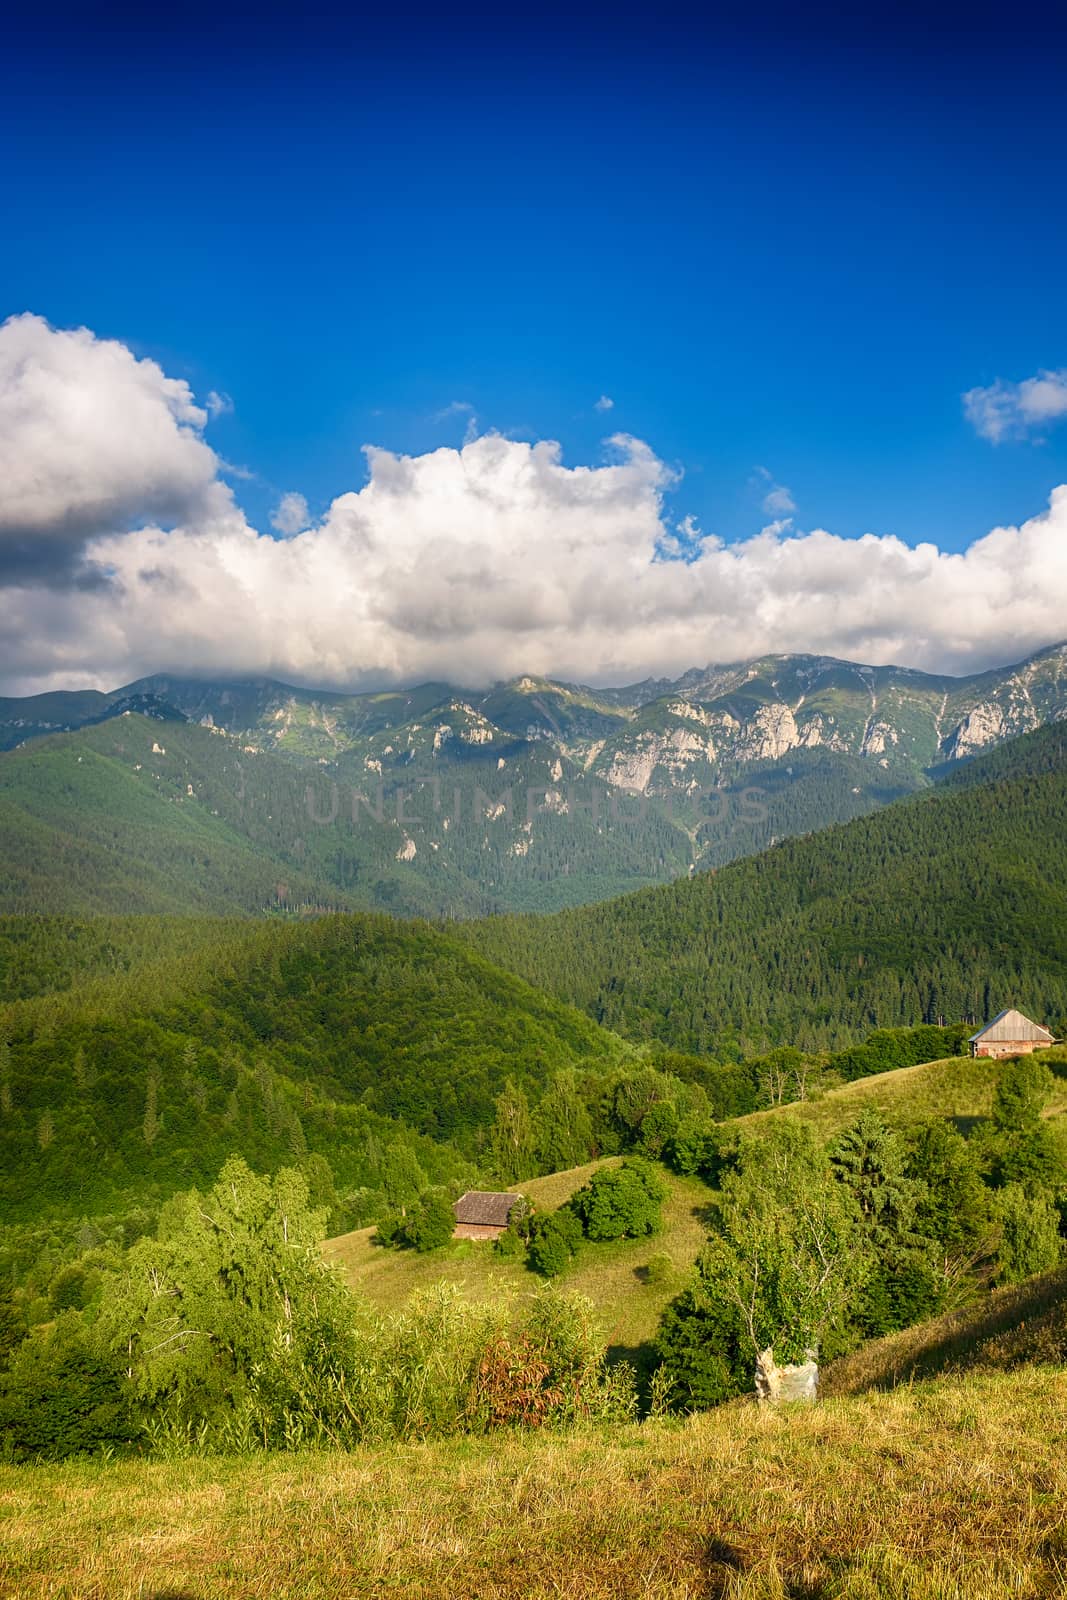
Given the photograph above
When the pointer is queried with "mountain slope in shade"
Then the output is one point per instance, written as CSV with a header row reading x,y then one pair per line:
x,y
338,1035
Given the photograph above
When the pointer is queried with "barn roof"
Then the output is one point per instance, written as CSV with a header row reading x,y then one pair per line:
x,y
484,1208
1011,1027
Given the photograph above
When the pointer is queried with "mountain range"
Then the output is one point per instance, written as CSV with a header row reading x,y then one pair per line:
x,y
177,793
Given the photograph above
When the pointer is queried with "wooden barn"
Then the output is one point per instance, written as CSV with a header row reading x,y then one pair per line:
x,y
1010,1034
482,1214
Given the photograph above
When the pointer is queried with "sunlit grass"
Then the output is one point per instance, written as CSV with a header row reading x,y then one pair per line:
x,y
611,1275
1014,1325
957,1087
956,1489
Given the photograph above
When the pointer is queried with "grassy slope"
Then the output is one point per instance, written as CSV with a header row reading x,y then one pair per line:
x,y
957,1087
611,1275
953,1491
1021,1324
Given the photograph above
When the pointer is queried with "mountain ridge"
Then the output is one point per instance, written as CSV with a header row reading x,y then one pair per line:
x,y
247,704
530,796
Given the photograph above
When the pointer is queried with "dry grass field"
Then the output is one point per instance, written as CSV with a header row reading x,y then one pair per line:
x,y
955,1490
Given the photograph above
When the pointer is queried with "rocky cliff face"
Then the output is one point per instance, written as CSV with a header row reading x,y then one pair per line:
x,y
713,765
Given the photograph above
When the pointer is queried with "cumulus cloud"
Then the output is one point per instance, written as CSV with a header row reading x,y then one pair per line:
x,y
1017,410
492,559
91,440
291,514
219,405
605,403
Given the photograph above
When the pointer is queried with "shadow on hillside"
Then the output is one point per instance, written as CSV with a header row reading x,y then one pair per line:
x,y
1020,1325
643,1359
724,1563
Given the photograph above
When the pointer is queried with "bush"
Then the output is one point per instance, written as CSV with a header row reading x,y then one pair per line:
x,y
554,1240
701,1351
510,1245
431,1222
389,1230
61,1397
1030,1237
697,1149
427,1225
660,1269
621,1202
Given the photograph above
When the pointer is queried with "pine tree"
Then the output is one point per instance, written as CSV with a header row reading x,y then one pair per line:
x,y
150,1125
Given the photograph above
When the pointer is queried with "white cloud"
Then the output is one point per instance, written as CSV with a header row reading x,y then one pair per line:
x,y
778,500
605,403
454,408
91,439
460,408
471,564
291,514
219,405
1014,410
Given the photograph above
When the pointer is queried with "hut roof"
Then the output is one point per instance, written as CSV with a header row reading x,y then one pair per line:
x,y
484,1208
1010,1027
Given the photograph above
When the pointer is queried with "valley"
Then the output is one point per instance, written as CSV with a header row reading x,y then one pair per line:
x,y
231,1137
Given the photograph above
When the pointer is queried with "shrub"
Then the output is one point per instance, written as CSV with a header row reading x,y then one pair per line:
x,y
695,1149
660,1268
554,1240
431,1223
621,1202
62,1397
1024,1085
702,1355
1030,1238
510,1245
389,1230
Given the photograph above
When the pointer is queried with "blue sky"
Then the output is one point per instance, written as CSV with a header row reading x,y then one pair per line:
x,y
768,250
785,251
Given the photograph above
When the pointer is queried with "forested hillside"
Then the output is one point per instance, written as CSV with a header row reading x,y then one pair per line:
x,y
183,795
341,1036
953,904
134,815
